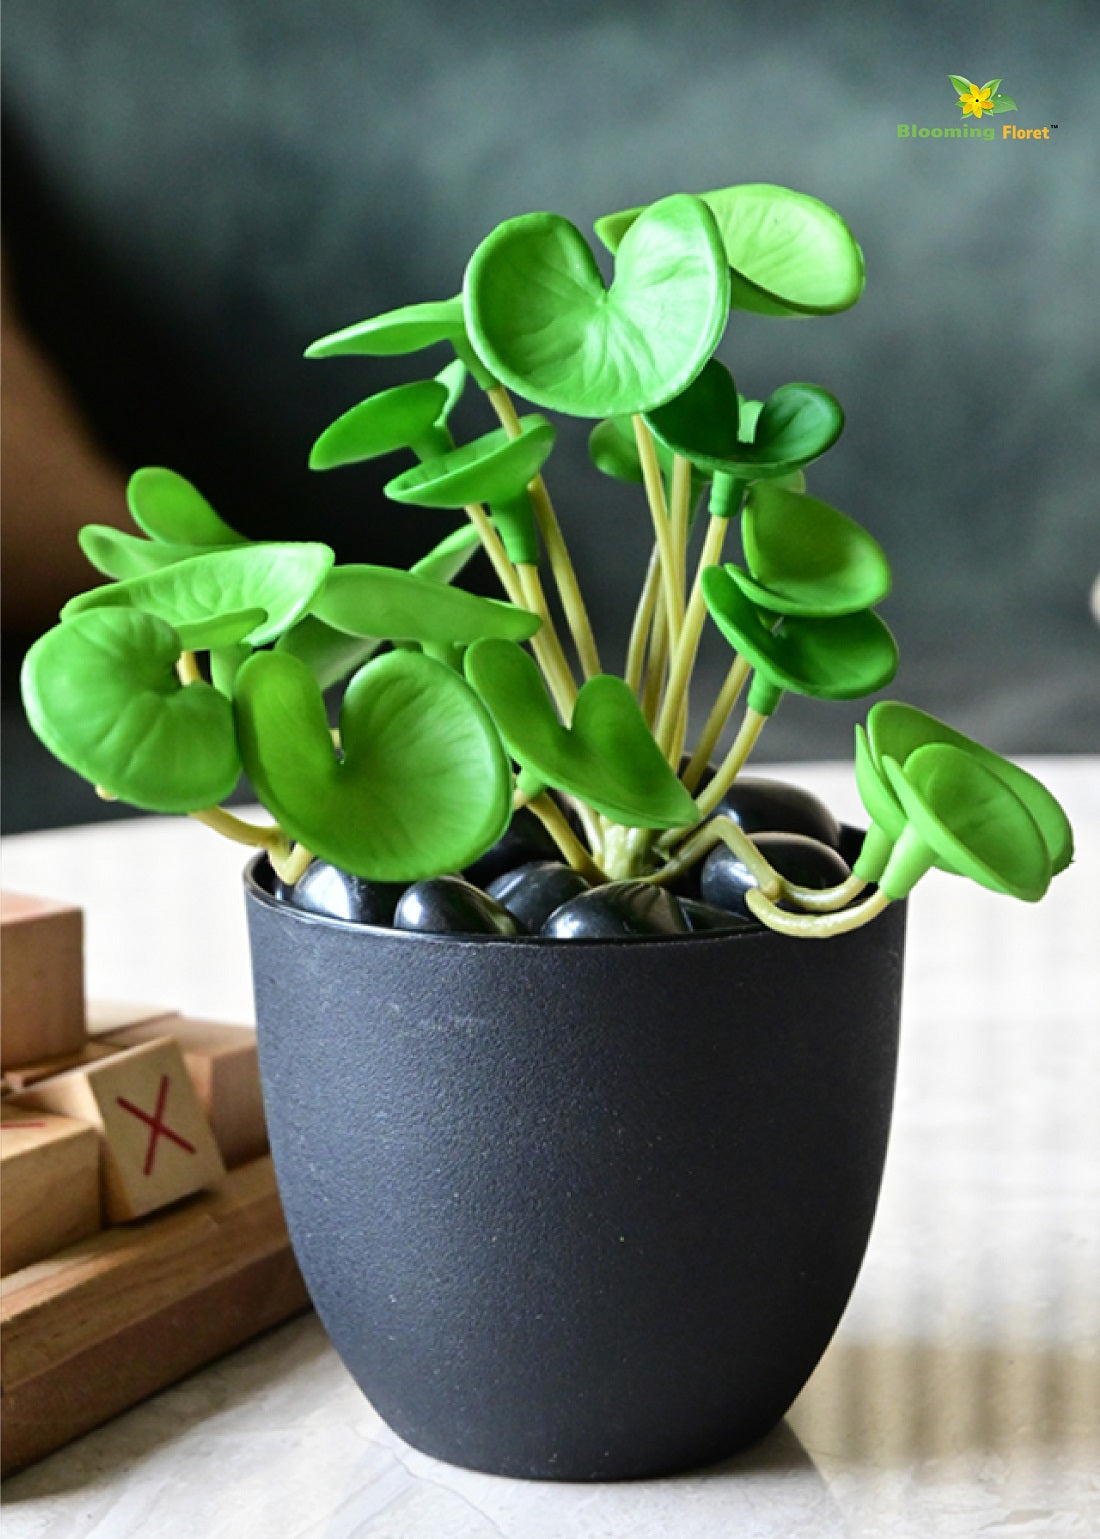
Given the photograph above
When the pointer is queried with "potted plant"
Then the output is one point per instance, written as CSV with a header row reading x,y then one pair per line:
x,y
579,1140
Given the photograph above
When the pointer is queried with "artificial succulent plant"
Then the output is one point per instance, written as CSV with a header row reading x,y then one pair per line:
x,y
209,654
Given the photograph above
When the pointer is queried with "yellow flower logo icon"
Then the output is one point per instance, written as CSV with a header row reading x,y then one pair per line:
x,y
974,100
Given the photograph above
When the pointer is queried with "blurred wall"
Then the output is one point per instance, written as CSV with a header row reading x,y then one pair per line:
x,y
195,192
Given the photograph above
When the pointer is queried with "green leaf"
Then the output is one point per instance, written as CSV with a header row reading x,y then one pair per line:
x,y
120,555
494,468
216,631
453,379
405,330
838,658
806,558
607,756
541,319
329,654
991,86
280,579
961,84
614,453
167,507
422,784
101,692
405,417
796,424
384,601
963,818
898,730
701,422
1003,104
789,254
447,559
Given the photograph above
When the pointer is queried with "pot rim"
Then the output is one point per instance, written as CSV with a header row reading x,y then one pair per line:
x,y
255,889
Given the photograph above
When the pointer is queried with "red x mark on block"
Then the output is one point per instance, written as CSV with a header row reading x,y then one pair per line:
x,y
156,1124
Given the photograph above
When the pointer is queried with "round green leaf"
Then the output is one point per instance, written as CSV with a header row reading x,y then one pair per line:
x,y
120,555
796,424
968,821
806,558
790,254
406,330
384,601
898,730
607,756
101,692
280,579
720,432
701,423
167,507
329,654
614,453
541,319
405,417
839,658
494,468
422,784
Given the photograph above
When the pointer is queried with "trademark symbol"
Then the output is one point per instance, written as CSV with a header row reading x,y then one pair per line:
x,y
1054,125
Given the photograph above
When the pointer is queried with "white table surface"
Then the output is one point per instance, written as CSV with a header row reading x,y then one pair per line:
x,y
961,1395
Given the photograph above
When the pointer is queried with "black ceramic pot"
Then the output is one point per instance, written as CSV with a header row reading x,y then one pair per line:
x,y
576,1210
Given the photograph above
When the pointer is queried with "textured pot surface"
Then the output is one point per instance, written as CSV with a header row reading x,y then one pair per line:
x,y
576,1210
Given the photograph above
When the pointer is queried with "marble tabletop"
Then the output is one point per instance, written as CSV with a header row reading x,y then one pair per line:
x,y
960,1396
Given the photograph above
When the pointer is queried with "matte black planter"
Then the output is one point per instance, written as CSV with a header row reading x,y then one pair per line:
x,y
576,1210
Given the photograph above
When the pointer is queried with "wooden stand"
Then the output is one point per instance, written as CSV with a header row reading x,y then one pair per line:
x,y
111,1320
123,1126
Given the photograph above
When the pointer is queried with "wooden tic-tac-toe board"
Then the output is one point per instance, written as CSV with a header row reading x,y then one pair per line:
x,y
140,1228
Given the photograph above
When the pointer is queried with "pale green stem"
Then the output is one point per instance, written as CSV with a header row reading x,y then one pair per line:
x,y
687,648
289,860
187,669
547,643
679,514
554,821
662,529
728,696
823,900
656,664
561,564
293,868
732,764
557,675
815,926
722,831
643,623
494,549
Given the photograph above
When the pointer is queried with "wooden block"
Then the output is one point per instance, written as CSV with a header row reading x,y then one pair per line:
x,y
157,1144
24,1075
225,1072
103,1016
42,973
50,1171
88,1333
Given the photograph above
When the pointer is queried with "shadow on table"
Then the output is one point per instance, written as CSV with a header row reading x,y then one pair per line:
x,y
901,1402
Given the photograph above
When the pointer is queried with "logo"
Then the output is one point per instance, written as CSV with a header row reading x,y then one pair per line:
x,y
974,100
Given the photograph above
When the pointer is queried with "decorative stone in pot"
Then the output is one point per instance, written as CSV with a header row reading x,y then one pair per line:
x,y
576,1210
